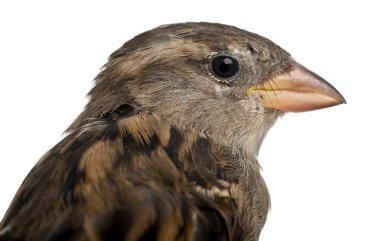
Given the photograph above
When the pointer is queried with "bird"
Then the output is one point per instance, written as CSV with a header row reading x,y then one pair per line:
x,y
167,147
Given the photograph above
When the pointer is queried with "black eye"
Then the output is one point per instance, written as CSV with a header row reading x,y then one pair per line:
x,y
224,66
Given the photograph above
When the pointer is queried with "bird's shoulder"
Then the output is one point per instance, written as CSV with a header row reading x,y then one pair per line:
x,y
130,178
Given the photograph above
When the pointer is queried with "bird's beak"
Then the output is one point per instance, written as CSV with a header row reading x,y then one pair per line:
x,y
297,90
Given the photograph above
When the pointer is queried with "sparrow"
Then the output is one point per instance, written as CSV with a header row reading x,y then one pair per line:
x,y
166,149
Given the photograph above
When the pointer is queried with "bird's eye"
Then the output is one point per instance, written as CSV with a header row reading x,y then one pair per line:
x,y
224,66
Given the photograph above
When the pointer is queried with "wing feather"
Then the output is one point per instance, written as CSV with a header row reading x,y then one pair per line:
x,y
133,179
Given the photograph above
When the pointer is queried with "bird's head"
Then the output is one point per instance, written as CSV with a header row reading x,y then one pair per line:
x,y
216,80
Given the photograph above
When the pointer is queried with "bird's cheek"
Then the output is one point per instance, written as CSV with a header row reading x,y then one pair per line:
x,y
297,90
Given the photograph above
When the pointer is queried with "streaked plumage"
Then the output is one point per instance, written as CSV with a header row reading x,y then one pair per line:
x,y
165,149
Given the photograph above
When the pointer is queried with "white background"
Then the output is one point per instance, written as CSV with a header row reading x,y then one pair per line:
x,y
322,167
